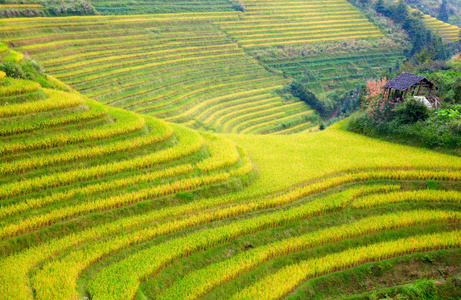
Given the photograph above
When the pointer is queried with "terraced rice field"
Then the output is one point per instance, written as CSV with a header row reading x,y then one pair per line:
x,y
12,8
188,68
289,22
327,73
110,204
448,32
20,6
58,147
160,6
109,7
187,72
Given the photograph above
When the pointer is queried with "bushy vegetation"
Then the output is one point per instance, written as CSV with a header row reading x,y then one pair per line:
x,y
26,69
299,90
447,78
422,39
23,12
47,8
447,11
69,8
411,121
332,106
238,5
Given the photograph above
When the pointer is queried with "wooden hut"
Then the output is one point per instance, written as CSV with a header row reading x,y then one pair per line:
x,y
407,84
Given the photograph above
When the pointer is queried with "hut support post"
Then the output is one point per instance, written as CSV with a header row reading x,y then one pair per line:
x,y
419,89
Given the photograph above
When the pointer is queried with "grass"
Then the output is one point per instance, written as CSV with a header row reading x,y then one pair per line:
x,y
380,277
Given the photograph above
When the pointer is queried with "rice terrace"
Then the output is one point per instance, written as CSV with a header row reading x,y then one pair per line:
x,y
230,149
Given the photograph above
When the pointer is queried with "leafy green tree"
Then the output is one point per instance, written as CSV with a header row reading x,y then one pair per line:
x,y
457,91
379,7
419,43
443,12
401,12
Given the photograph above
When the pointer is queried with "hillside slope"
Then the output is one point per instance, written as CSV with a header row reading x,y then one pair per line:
x,y
106,203
38,8
187,71
189,68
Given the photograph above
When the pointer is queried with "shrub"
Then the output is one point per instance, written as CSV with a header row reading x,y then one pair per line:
x,y
457,91
26,69
410,111
77,7
379,110
373,88
238,5
12,69
358,123
323,106
448,113
411,122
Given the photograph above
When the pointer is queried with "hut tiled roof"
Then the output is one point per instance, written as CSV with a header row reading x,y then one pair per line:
x,y
404,81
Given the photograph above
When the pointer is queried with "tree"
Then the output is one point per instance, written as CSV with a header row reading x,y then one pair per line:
x,y
418,43
401,12
457,91
442,52
413,24
443,12
379,7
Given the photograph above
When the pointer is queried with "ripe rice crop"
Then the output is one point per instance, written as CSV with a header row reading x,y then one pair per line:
x,y
16,87
259,127
56,100
127,122
189,142
408,196
223,154
118,204
94,112
94,189
447,31
277,285
184,47
137,266
11,6
159,131
113,202
196,284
